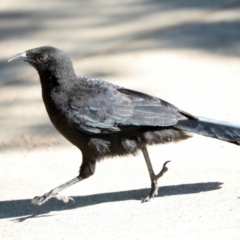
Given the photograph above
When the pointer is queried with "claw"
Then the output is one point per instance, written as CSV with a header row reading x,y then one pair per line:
x,y
164,165
154,189
163,170
147,199
39,200
65,199
153,192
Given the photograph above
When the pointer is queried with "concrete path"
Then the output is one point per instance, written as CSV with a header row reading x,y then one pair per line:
x,y
186,52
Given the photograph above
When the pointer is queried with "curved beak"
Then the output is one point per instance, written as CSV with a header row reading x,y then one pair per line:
x,y
20,56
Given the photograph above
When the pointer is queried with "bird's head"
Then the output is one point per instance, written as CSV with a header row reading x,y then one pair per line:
x,y
47,60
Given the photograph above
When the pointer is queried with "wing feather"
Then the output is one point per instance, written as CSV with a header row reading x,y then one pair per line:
x,y
101,107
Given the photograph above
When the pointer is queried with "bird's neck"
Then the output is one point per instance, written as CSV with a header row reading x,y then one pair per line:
x,y
48,80
51,79
54,84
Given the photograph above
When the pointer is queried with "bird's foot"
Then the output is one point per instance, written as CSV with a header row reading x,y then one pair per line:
x,y
39,200
154,188
153,192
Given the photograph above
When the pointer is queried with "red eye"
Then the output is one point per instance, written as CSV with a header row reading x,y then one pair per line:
x,y
42,58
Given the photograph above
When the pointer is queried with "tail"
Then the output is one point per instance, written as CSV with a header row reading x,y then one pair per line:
x,y
211,128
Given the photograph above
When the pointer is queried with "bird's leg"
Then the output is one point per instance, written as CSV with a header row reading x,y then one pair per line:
x,y
86,170
154,178
39,200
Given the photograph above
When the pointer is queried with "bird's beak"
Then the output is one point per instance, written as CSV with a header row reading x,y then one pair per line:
x,y
22,56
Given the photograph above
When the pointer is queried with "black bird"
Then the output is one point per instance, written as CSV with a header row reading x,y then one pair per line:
x,y
105,120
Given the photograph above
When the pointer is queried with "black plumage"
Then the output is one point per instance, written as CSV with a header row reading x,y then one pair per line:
x,y
105,120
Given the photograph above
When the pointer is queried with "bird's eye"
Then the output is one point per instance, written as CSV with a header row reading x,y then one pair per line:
x,y
42,57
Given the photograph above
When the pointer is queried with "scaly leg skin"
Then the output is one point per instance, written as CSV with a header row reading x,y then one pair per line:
x,y
39,200
154,178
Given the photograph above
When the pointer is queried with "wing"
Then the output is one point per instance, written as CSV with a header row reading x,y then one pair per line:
x,y
100,107
97,107
151,111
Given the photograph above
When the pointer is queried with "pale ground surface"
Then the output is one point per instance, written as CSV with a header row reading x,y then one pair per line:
x,y
186,52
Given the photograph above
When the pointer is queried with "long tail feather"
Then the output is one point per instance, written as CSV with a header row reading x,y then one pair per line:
x,y
222,130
